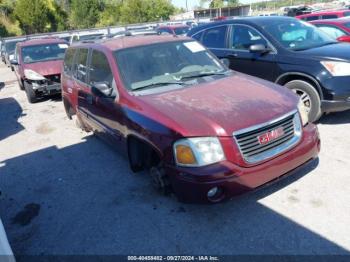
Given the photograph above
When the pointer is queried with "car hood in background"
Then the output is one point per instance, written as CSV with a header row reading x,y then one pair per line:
x,y
221,107
46,68
338,51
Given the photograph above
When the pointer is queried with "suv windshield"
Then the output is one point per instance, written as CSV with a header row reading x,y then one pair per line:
x,y
10,46
181,30
46,52
298,35
167,63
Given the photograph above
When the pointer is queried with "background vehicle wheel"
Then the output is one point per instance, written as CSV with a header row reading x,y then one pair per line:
x,y
309,96
159,180
32,98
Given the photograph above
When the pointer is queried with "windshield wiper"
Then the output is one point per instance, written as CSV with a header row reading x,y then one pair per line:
x,y
156,84
202,75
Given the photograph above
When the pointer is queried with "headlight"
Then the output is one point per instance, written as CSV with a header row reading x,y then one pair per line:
x,y
199,151
11,57
32,75
304,114
337,68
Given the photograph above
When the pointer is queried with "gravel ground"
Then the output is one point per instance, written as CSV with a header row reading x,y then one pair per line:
x,y
66,192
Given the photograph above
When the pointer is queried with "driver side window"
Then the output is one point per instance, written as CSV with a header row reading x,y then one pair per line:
x,y
243,37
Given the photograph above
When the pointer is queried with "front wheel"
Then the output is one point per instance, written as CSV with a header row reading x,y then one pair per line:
x,y
309,96
32,98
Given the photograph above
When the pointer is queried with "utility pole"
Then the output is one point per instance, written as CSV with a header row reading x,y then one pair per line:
x,y
187,5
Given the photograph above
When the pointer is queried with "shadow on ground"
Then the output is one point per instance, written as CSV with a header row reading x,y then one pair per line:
x,y
82,199
336,118
10,112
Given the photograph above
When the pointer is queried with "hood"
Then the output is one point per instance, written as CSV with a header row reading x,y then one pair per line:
x,y
220,107
46,68
338,51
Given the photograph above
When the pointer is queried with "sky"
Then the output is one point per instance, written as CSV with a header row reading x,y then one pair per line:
x,y
192,3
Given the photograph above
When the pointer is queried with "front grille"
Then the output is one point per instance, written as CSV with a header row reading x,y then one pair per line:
x,y
53,79
253,151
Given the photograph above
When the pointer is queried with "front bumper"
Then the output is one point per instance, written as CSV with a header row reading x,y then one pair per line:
x,y
47,89
193,184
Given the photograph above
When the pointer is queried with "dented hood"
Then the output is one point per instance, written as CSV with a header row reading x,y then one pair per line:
x,y
220,107
46,68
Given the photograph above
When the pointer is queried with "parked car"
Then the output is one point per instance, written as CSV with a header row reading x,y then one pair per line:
x,y
175,110
286,51
173,29
38,66
338,29
9,49
133,33
324,15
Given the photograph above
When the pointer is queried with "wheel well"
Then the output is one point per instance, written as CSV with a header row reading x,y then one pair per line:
x,y
69,109
141,154
287,78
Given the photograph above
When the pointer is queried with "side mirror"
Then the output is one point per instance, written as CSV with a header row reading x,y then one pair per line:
x,y
102,89
344,38
259,48
13,62
225,61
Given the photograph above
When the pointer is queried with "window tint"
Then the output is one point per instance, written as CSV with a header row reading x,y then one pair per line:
x,y
311,18
329,16
215,37
243,37
100,70
79,69
332,31
68,60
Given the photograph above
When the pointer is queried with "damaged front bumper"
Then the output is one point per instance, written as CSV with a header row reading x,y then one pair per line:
x,y
46,87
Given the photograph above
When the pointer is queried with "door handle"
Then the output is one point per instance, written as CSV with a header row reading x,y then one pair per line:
x,y
232,55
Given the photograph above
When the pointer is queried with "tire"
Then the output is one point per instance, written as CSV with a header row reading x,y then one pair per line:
x,y
32,98
309,95
21,84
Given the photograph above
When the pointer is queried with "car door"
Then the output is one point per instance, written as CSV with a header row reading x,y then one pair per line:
x,y
242,59
215,39
103,110
80,86
16,68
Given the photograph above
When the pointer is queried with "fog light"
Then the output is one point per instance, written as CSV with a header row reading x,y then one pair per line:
x,y
215,194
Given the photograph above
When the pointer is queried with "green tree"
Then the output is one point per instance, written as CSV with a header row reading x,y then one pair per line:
x,y
233,2
110,14
33,16
139,11
85,13
216,4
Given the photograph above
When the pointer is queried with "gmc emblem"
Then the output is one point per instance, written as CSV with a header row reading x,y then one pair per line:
x,y
271,135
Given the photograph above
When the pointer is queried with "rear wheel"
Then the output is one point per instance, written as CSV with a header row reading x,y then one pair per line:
x,y
309,97
32,98
21,84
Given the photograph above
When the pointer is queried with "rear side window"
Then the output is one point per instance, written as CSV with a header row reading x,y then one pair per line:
x,y
68,60
243,37
100,71
311,18
215,37
329,16
198,36
79,69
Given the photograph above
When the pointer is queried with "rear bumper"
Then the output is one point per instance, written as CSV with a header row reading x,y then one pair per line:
x,y
190,185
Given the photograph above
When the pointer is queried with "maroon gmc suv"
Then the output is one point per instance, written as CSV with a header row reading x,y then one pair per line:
x,y
201,130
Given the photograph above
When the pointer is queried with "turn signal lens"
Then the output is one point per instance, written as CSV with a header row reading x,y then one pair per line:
x,y
184,155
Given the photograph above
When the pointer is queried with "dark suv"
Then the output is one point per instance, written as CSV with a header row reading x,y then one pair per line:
x,y
175,110
286,51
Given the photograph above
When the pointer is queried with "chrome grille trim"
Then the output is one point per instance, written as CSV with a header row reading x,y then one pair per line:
x,y
253,152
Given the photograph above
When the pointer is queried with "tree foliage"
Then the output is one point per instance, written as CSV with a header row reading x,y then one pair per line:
x,y
32,15
85,13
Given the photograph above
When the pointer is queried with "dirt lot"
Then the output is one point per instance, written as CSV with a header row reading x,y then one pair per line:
x,y
66,192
